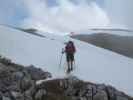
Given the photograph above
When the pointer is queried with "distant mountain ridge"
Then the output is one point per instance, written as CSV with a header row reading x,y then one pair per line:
x,y
116,43
31,31
111,29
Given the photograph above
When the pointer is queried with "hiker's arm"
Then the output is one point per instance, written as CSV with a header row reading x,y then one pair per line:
x,y
63,51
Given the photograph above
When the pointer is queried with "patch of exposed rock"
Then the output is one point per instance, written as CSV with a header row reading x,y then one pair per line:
x,y
17,82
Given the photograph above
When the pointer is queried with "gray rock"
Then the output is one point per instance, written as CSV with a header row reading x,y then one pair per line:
x,y
91,90
74,98
5,98
0,96
25,84
70,92
121,98
101,95
47,75
18,76
111,92
101,87
82,98
16,94
15,86
40,94
37,73
29,93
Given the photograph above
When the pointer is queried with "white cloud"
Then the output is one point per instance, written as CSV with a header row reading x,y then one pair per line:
x,y
65,17
120,12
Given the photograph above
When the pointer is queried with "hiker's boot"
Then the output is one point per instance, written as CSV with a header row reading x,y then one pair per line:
x,y
71,68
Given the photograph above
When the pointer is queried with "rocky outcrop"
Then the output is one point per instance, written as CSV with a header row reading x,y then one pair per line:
x,y
18,82
75,89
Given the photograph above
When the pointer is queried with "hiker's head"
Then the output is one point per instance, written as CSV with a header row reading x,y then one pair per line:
x,y
70,41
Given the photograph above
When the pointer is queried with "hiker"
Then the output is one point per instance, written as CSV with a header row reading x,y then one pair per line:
x,y
69,50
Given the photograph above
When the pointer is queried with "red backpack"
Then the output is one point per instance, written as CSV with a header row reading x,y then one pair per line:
x,y
70,48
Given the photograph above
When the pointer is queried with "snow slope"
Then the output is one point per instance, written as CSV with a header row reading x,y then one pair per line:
x,y
92,63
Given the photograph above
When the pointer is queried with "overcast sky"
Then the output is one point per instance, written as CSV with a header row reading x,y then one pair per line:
x,y
63,16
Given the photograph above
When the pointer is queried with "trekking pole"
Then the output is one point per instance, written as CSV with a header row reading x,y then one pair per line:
x,y
61,58
60,61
